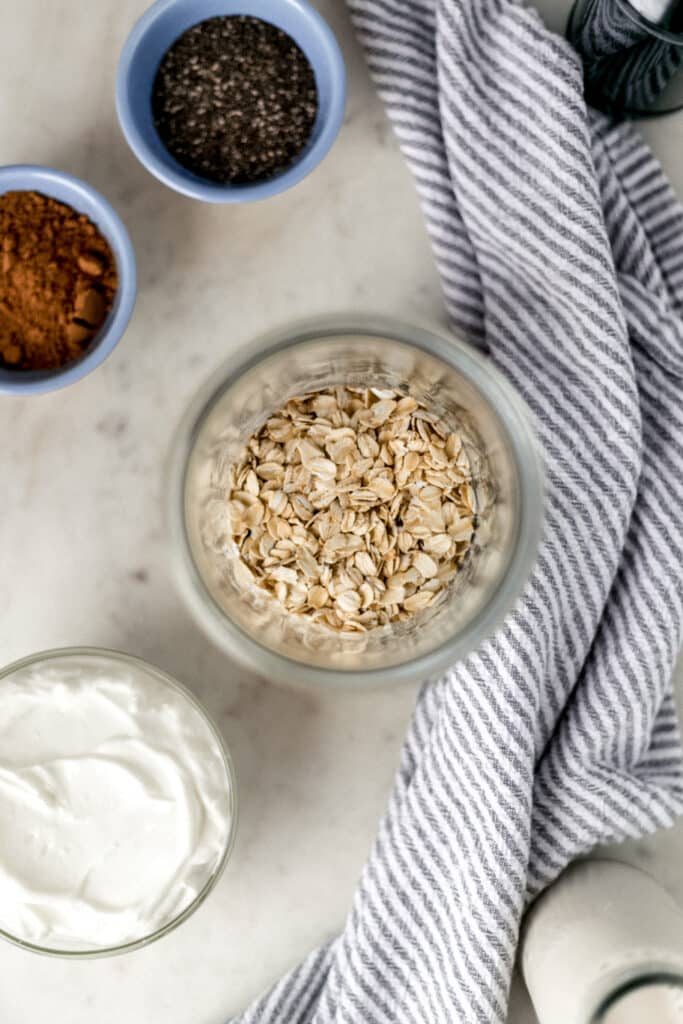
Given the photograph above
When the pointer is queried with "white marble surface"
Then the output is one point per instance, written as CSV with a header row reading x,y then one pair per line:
x,y
82,551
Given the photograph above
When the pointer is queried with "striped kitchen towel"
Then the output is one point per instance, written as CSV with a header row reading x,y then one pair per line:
x,y
560,247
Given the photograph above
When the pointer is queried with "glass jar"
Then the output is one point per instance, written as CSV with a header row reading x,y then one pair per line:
x,y
464,390
604,945
632,54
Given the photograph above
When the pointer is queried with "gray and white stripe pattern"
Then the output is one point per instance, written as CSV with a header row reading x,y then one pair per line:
x,y
560,246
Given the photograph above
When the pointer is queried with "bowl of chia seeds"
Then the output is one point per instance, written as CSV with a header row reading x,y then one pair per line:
x,y
230,101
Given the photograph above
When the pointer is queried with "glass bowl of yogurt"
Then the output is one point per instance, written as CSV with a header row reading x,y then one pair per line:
x,y
118,803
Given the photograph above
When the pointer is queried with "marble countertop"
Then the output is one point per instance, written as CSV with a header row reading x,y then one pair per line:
x,y
82,551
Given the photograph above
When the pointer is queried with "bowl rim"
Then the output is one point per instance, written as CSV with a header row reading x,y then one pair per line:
x,y
518,423
40,178
184,181
55,653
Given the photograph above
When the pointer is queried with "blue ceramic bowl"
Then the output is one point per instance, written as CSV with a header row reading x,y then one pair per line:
x,y
155,33
84,199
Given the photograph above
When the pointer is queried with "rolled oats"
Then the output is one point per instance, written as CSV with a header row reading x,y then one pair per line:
x,y
354,507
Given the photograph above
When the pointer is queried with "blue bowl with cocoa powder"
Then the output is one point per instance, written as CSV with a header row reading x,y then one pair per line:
x,y
155,33
84,199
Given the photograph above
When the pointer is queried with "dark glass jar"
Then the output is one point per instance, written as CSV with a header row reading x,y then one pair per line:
x,y
632,54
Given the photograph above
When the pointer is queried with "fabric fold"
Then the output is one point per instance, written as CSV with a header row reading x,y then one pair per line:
x,y
560,249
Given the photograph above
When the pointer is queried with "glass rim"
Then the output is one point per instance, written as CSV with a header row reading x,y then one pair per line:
x,y
55,653
652,28
507,405
642,981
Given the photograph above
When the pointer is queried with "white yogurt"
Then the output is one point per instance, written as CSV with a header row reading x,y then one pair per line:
x,y
115,803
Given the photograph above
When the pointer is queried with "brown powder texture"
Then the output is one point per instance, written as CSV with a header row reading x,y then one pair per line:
x,y
57,282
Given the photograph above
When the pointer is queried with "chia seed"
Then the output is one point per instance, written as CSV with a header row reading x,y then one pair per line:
x,y
234,100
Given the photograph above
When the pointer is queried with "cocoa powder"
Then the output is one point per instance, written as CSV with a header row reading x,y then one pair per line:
x,y
57,282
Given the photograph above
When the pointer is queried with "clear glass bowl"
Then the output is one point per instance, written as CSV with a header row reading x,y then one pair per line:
x,y
454,381
119,658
